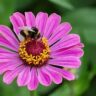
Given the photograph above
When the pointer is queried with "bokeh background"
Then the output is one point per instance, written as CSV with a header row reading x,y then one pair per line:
x,y
82,16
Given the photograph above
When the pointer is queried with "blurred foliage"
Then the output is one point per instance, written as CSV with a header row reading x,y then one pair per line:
x,y
6,8
63,3
82,15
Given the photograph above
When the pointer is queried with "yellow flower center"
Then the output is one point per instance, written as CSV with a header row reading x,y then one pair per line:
x,y
34,52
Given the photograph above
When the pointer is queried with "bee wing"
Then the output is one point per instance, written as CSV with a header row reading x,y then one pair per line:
x,y
21,38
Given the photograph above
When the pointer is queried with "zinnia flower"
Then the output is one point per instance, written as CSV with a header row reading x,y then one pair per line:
x,y
39,50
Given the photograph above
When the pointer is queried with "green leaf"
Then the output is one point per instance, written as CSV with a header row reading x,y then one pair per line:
x,y
92,89
6,9
82,3
42,90
91,55
64,90
83,22
21,4
12,89
81,84
63,3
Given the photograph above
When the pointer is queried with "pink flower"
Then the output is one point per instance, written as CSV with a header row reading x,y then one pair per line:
x,y
38,50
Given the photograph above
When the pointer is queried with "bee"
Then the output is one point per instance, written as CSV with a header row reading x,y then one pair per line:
x,y
32,33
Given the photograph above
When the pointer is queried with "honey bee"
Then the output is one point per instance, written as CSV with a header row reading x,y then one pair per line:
x,y
32,33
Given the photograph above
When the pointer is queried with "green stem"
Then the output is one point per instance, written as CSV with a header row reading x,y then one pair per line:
x,y
33,93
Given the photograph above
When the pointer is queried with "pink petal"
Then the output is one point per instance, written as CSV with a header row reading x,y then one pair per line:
x,y
5,43
3,50
43,78
54,75
33,84
9,76
81,45
78,52
11,65
8,55
61,31
66,74
4,59
17,20
5,31
7,38
10,59
51,24
41,19
66,42
30,19
68,61
24,77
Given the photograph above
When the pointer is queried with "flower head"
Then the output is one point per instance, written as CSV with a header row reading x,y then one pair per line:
x,y
39,50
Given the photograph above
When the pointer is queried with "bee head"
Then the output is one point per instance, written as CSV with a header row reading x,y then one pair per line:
x,y
33,33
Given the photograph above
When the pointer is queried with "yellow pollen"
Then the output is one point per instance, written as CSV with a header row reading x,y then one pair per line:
x,y
29,58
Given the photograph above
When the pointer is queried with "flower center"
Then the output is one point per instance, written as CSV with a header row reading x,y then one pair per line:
x,y
34,52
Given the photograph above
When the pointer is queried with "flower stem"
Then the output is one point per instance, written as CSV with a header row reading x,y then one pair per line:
x,y
33,93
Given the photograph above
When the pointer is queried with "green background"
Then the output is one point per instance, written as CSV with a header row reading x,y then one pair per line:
x,y
82,15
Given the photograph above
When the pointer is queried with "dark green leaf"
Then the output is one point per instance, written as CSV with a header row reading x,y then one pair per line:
x,y
6,9
63,3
